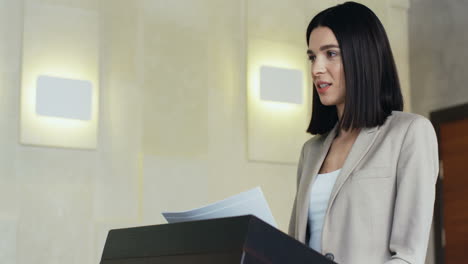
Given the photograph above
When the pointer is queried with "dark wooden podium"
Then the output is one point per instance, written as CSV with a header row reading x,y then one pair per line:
x,y
242,239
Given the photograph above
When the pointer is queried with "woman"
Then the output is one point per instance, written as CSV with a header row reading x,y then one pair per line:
x,y
366,182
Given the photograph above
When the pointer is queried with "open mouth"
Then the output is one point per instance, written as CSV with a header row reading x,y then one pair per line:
x,y
322,87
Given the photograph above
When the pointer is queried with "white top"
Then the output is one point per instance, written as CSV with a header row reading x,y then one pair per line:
x,y
319,196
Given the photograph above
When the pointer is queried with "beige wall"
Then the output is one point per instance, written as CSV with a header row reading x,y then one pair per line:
x,y
438,54
172,132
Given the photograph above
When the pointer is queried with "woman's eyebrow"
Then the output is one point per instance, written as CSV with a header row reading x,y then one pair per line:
x,y
324,47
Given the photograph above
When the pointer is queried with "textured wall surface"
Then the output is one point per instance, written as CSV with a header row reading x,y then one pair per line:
x,y
438,54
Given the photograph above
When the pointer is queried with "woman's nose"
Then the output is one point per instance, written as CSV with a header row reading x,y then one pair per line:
x,y
318,68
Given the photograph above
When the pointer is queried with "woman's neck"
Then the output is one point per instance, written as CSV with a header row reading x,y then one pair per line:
x,y
347,134
340,110
344,134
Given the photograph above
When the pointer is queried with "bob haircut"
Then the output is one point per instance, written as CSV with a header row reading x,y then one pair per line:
x,y
371,78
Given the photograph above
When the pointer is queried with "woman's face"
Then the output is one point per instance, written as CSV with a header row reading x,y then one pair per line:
x,y
327,67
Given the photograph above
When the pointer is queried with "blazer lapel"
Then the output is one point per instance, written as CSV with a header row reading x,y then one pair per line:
x,y
360,147
309,172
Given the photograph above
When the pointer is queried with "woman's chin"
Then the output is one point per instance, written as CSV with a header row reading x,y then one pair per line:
x,y
328,102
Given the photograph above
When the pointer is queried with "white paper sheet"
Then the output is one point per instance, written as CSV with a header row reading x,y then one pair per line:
x,y
250,202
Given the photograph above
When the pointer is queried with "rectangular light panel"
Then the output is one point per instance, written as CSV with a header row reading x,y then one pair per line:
x,y
277,101
59,76
67,98
280,85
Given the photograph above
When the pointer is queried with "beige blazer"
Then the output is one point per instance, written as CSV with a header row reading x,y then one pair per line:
x,y
380,209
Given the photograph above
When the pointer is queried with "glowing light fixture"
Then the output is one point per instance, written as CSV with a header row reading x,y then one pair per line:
x,y
60,76
66,98
277,100
281,85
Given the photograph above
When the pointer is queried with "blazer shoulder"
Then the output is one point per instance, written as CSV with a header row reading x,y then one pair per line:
x,y
401,120
410,127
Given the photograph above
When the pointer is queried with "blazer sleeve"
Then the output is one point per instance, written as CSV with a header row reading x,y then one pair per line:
x,y
292,221
417,172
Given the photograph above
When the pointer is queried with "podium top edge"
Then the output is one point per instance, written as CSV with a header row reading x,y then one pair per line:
x,y
219,234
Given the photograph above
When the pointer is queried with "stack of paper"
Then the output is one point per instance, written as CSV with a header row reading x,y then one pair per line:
x,y
250,202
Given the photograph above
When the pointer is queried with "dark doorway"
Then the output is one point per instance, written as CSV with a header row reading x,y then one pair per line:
x,y
451,207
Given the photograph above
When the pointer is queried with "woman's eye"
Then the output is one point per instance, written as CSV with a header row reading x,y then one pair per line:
x,y
332,53
312,58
